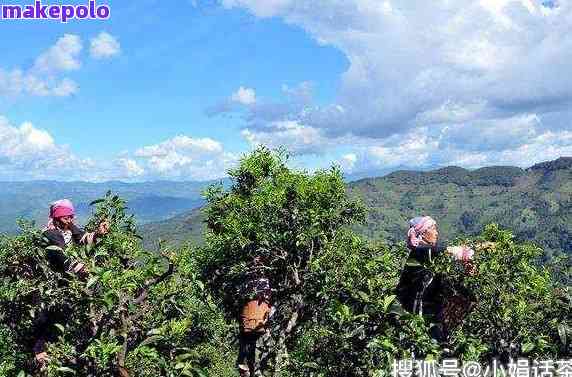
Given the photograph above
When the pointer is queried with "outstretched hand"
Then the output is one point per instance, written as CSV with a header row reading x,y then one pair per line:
x,y
103,228
42,358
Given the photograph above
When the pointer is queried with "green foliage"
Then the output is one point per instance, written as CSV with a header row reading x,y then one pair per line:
x,y
337,314
297,223
135,309
536,204
521,309
173,312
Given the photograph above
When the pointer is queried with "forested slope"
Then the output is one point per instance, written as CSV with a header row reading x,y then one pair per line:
x,y
536,204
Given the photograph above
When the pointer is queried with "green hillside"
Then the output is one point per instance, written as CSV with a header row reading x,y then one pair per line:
x,y
536,203
149,201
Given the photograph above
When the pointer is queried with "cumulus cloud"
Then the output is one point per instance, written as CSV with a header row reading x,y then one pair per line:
x,y
492,135
129,168
348,161
526,144
42,78
244,96
299,139
430,83
257,113
104,46
27,152
186,158
63,56
16,82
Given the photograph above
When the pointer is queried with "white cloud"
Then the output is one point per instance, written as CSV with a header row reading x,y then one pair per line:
x,y
17,82
297,138
185,144
66,87
348,161
407,58
27,152
129,168
522,145
429,83
42,79
104,46
63,56
186,158
494,134
244,96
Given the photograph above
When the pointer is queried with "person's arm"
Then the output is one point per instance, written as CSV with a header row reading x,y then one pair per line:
x,y
53,237
82,237
55,244
421,253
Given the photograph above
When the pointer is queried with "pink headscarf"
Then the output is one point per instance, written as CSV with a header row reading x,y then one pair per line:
x,y
417,227
59,208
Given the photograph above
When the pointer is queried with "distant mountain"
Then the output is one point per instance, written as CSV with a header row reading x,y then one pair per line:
x,y
149,201
535,203
176,230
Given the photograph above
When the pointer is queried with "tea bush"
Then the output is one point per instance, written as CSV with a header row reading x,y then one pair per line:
x,y
173,312
138,310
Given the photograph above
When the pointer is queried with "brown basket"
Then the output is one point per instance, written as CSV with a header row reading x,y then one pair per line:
x,y
254,316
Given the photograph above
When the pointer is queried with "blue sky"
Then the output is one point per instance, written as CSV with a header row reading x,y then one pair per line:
x,y
179,90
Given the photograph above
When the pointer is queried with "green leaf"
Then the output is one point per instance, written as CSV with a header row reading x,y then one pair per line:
x,y
387,301
154,332
61,328
54,248
185,356
364,296
150,340
92,281
199,372
97,201
527,347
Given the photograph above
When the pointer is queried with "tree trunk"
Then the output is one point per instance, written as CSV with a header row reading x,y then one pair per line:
x,y
281,351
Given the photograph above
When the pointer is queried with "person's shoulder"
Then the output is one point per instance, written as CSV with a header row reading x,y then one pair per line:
x,y
440,247
76,229
53,237
51,233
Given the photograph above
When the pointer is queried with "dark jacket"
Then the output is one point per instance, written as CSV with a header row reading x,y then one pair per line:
x,y
419,288
54,237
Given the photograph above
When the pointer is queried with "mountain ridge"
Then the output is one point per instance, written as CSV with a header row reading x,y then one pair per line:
x,y
536,203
